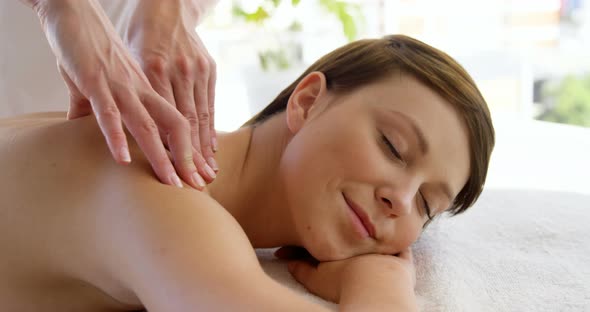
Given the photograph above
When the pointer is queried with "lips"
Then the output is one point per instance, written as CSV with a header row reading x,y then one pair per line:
x,y
361,215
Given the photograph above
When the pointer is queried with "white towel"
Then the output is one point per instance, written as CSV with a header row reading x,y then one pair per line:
x,y
515,250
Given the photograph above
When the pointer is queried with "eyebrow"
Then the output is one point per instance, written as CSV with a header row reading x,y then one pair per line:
x,y
424,147
422,142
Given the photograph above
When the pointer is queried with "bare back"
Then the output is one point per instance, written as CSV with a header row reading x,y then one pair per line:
x,y
78,232
53,170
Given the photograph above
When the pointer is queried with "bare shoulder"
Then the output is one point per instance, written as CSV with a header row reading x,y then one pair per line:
x,y
154,236
32,118
114,227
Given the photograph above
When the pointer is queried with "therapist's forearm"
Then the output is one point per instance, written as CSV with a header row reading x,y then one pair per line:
x,y
35,3
31,3
192,12
197,9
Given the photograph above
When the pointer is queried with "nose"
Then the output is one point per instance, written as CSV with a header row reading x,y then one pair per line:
x,y
397,198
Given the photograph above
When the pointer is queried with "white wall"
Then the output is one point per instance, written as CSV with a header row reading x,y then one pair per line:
x,y
29,80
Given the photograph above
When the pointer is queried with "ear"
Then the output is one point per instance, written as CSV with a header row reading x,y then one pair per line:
x,y
305,100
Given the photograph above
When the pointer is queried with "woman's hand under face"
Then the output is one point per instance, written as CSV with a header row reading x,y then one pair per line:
x,y
327,279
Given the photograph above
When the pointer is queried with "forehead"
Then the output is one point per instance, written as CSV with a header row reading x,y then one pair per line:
x,y
400,100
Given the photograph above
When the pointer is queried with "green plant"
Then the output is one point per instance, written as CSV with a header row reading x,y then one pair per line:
x,y
569,101
348,14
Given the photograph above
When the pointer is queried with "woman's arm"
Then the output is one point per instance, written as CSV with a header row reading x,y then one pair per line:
x,y
386,290
369,282
179,250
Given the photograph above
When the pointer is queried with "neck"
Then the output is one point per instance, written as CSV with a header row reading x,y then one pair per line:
x,y
249,186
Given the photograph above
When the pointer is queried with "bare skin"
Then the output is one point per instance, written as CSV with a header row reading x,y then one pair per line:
x,y
79,232
171,103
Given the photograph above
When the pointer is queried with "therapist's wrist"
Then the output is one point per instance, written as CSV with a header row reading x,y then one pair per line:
x,y
41,6
156,16
196,10
49,10
154,10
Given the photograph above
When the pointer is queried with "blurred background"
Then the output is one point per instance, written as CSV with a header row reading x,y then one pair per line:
x,y
528,57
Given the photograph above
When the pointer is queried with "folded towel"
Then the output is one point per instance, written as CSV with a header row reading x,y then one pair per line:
x,y
515,250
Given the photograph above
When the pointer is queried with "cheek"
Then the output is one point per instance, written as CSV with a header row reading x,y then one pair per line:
x,y
403,233
305,174
323,248
312,169
314,155
408,234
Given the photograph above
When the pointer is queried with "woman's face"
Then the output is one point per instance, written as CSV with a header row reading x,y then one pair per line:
x,y
338,168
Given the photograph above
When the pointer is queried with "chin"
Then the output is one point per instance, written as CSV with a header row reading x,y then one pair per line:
x,y
324,256
328,250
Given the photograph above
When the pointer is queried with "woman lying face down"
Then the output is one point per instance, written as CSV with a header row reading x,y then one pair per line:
x,y
355,157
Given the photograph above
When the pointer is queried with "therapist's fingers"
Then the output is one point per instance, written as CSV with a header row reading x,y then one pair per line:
x,y
211,101
94,57
108,118
177,131
205,79
173,55
203,67
79,107
175,85
160,82
203,116
145,131
184,103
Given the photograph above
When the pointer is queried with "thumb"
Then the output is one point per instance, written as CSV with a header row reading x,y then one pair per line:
x,y
79,108
79,104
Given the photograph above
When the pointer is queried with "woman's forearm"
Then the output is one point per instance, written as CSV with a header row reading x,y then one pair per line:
x,y
388,290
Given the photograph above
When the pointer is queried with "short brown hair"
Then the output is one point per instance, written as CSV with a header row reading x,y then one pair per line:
x,y
365,61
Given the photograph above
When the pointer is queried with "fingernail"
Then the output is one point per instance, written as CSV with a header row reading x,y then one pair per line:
x,y
212,163
214,144
176,180
210,172
198,180
124,153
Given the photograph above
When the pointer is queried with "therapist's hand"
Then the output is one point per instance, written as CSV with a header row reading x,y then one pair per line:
x,y
104,79
162,37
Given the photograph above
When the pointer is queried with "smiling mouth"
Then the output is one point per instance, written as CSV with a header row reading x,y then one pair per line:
x,y
362,218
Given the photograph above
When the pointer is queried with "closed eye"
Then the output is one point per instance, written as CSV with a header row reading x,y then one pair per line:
x,y
395,153
392,148
426,207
